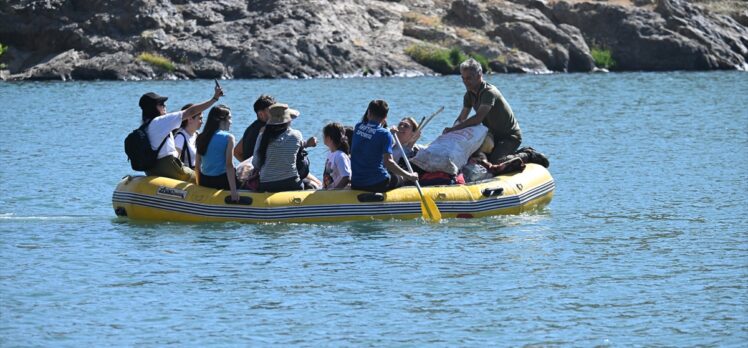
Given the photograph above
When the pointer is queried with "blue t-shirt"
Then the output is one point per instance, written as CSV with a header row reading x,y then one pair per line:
x,y
214,161
370,142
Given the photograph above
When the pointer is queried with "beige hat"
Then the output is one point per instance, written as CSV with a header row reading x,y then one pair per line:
x,y
281,113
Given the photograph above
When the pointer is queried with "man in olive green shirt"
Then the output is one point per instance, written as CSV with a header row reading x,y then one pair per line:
x,y
491,109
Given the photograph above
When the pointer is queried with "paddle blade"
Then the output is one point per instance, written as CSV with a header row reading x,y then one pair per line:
x,y
429,210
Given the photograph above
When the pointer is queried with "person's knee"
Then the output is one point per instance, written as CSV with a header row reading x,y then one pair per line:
x,y
503,148
498,154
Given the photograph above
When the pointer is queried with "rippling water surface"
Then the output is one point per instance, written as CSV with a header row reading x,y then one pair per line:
x,y
645,242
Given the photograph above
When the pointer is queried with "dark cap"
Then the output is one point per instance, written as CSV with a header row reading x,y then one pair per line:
x,y
150,100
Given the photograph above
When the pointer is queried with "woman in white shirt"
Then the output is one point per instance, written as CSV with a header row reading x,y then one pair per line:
x,y
185,137
159,128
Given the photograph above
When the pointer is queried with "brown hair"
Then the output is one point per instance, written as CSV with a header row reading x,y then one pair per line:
x,y
184,122
263,102
215,116
412,121
379,108
336,133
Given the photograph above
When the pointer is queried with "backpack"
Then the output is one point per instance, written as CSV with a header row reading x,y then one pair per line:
x,y
185,150
138,149
302,163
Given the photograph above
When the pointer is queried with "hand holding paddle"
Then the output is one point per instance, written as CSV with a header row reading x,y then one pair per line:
x,y
429,210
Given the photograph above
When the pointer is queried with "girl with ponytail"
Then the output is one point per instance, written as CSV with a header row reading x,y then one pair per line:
x,y
337,173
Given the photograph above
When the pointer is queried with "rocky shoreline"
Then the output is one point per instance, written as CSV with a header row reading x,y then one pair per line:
x,y
105,39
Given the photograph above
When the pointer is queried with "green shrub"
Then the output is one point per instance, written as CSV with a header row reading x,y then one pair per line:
x,y
157,61
602,57
442,60
432,57
2,50
482,60
456,57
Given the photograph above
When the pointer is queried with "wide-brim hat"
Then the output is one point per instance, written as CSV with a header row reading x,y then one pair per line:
x,y
150,100
281,113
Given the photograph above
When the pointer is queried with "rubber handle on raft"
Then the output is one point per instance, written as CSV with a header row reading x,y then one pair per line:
x,y
491,192
243,200
371,197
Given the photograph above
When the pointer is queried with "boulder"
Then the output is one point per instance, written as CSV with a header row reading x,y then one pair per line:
x,y
468,13
676,36
116,66
516,61
524,37
58,67
560,47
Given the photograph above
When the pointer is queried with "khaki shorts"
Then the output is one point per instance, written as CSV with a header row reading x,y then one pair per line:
x,y
172,167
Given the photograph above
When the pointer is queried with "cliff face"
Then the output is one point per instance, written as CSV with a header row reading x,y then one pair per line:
x,y
102,39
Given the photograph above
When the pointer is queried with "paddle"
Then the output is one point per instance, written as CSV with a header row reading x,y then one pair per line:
x,y
428,119
428,207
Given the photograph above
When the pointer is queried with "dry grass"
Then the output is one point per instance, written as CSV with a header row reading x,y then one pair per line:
x,y
625,3
358,42
726,7
421,19
473,36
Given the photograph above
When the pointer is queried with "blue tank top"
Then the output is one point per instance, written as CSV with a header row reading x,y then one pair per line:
x,y
214,161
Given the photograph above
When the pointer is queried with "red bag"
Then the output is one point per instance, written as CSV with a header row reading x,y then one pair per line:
x,y
436,178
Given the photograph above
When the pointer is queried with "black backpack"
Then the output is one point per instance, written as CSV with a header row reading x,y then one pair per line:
x,y
302,163
138,149
186,159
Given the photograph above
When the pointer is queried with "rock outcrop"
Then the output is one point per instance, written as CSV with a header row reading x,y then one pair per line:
x,y
103,39
674,36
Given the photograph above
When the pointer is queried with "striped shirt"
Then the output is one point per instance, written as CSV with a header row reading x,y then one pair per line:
x,y
281,157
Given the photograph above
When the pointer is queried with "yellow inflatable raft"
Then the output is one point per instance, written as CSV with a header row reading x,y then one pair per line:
x,y
164,199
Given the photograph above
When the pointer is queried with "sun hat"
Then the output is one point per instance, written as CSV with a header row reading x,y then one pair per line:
x,y
281,113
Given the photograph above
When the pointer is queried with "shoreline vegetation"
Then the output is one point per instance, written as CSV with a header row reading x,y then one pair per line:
x,y
157,60
79,40
603,58
2,50
442,60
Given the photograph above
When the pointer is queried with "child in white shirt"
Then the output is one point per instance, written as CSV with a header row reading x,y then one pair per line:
x,y
337,173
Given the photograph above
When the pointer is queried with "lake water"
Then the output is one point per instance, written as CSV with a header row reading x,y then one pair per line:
x,y
645,242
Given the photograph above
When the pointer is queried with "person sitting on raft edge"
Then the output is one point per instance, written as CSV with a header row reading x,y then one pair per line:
x,y
185,137
276,151
246,145
491,109
371,153
159,130
213,164
337,174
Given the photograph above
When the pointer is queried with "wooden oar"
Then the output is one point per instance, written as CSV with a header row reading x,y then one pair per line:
x,y
428,119
428,207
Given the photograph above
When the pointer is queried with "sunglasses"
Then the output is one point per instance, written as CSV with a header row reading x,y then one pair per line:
x,y
403,125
